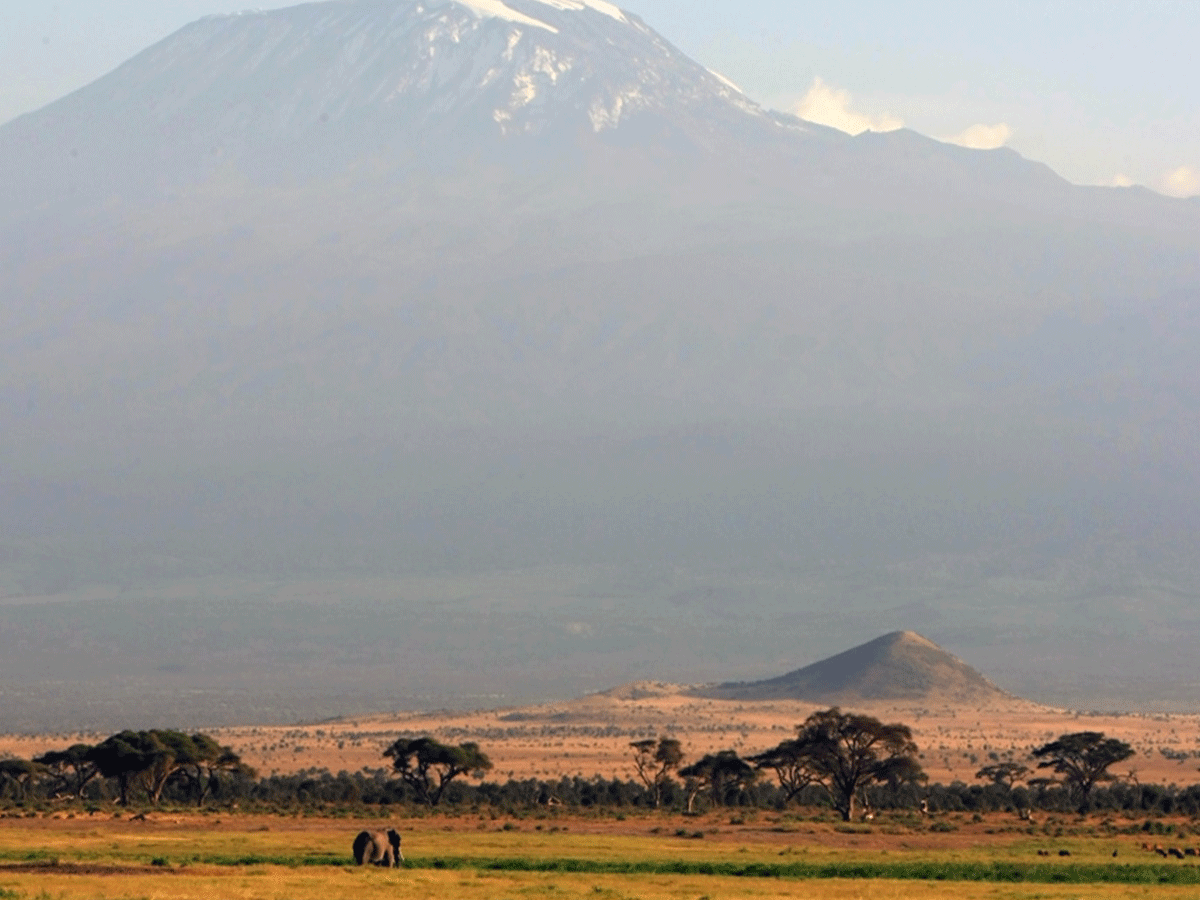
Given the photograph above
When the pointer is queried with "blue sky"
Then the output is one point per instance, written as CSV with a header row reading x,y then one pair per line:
x,y
1104,92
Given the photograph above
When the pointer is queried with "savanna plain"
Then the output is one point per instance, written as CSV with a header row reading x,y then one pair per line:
x,y
177,854
87,850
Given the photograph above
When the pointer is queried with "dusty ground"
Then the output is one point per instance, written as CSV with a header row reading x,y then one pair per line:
x,y
591,735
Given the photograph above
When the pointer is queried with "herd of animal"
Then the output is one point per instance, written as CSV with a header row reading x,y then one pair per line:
x,y
1171,851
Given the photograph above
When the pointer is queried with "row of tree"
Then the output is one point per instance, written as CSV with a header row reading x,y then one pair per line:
x,y
135,761
842,753
845,754
147,764
841,759
373,792
1079,761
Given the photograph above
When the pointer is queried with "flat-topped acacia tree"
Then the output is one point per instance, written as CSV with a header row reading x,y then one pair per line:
x,y
419,760
792,764
844,753
718,773
1005,774
71,768
1081,759
154,758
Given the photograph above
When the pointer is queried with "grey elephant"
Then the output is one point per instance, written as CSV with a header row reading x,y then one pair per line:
x,y
378,848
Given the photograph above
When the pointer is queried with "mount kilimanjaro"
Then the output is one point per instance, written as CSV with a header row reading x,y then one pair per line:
x,y
387,289
349,217
306,93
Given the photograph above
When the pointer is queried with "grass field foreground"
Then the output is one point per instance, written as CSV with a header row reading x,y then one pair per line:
x,y
274,882
185,856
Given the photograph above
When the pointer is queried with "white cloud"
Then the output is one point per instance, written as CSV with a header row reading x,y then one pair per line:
x,y
1181,182
827,105
1120,180
982,137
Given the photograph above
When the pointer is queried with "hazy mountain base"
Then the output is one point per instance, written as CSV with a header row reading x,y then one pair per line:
x,y
465,573
215,652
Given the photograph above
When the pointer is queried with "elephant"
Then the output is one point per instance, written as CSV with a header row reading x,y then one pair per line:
x,y
378,848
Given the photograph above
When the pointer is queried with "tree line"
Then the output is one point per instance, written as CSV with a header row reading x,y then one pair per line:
x,y
849,763
134,763
844,758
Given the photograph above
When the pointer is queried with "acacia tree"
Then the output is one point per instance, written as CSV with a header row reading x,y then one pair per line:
x,y
1005,774
70,768
20,773
793,764
173,752
846,753
126,757
168,754
200,758
151,759
225,761
1081,760
719,772
419,760
654,761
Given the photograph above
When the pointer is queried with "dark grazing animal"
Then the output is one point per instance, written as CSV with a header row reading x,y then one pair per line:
x,y
378,848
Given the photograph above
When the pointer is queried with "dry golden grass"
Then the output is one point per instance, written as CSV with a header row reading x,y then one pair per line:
x,y
102,857
274,882
587,736
591,735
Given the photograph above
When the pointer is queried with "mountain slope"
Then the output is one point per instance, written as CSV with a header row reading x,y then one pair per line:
x,y
388,289
304,92
385,222
902,665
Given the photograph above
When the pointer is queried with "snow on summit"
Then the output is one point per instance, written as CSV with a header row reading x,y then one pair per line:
x,y
495,9
355,78
598,5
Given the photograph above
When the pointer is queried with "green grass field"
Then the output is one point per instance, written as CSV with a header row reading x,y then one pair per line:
x,y
207,857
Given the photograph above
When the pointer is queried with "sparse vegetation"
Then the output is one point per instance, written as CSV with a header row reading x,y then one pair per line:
x,y
70,781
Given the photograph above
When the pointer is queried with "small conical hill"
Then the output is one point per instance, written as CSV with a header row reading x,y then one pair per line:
x,y
902,665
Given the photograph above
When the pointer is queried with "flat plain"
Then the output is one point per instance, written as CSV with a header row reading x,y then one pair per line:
x,y
180,854
552,852
591,735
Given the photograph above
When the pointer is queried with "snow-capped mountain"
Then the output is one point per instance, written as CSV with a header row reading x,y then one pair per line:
x,y
499,165
388,285
527,66
312,89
